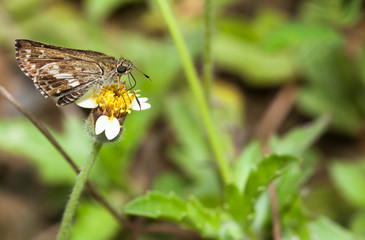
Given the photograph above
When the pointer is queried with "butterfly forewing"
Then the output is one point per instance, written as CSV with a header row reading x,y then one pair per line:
x,y
63,72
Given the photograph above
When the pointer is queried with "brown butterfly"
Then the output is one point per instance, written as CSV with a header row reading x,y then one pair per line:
x,y
68,73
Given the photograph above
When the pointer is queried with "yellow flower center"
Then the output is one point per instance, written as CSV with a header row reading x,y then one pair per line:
x,y
114,101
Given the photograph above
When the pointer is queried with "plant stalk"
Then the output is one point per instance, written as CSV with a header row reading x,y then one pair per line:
x,y
208,56
81,179
196,89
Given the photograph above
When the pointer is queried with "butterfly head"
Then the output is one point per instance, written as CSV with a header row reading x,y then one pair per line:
x,y
124,66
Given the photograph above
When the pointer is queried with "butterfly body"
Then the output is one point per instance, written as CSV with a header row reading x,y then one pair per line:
x,y
67,73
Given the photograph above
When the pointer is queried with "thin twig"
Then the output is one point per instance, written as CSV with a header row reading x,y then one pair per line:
x,y
268,125
274,211
138,228
54,142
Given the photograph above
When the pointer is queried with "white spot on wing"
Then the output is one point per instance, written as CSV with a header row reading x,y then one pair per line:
x,y
27,51
63,75
27,56
66,58
53,72
78,68
33,66
73,84
56,67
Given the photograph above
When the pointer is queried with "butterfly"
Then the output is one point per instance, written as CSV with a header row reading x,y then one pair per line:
x,y
68,73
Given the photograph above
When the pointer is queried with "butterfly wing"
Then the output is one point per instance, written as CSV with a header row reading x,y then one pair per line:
x,y
61,72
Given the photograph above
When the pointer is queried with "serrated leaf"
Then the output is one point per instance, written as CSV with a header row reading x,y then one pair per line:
x,y
350,180
158,205
295,221
270,168
288,184
250,156
206,221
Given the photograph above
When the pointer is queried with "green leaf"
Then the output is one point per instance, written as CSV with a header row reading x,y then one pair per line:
x,y
288,184
191,213
300,139
234,202
295,223
158,205
349,178
324,228
93,222
271,167
250,156
206,221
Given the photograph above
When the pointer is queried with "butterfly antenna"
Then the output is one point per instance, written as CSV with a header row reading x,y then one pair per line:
x,y
143,73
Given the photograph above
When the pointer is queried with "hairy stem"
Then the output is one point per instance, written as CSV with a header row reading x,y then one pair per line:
x,y
76,192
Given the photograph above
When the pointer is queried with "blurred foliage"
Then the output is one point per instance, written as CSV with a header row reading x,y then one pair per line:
x,y
319,48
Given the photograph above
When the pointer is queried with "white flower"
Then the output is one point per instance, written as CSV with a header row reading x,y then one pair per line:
x,y
87,100
143,105
110,126
112,103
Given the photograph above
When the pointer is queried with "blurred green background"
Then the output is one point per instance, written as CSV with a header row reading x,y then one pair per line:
x,y
314,48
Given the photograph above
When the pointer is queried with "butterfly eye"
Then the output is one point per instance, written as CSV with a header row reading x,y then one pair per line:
x,y
121,69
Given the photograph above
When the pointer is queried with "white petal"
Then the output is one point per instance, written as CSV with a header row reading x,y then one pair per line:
x,y
142,99
100,124
112,129
142,106
86,101
145,106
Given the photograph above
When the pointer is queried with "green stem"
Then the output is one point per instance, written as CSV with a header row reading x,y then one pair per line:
x,y
76,192
196,89
208,58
